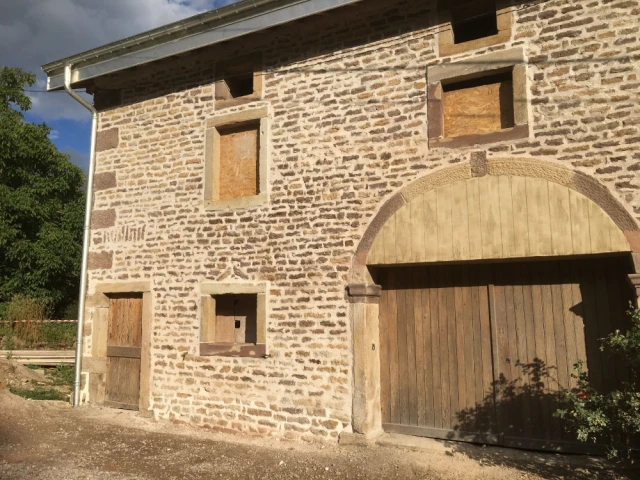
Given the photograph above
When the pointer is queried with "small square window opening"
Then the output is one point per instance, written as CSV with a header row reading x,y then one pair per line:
x,y
474,20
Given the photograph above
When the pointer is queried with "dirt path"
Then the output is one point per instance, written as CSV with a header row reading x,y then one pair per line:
x,y
49,440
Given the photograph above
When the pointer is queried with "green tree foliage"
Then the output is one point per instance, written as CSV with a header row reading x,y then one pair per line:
x,y
41,204
612,418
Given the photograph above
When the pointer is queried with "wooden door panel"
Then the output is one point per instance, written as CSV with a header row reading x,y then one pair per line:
x,y
557,311
123,351
433,371
481,352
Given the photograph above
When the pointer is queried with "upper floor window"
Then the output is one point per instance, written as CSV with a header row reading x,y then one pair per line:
x,y
472,24
238,81
236,160
474,20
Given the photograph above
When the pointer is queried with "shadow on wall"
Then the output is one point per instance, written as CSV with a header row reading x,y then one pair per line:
x,y
520,410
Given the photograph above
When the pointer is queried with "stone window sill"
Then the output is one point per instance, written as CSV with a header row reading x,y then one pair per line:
x,y
514,133
233,203
233,349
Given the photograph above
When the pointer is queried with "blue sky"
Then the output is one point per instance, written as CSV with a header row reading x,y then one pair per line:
x,y
35,32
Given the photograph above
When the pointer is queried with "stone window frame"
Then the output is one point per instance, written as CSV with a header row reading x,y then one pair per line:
x,y
208,290
253,61
483,65
212,158
446,45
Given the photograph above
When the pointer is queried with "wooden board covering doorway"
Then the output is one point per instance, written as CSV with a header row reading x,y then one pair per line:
x,y
123,351
479,352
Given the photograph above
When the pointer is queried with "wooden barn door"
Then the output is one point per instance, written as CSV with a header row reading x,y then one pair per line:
x,y
123,351
479,352
435,357
546,316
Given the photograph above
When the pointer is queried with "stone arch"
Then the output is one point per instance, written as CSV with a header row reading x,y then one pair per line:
x,y
580,183
364,295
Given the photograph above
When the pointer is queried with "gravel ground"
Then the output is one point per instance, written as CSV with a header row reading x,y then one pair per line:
x,y
49,440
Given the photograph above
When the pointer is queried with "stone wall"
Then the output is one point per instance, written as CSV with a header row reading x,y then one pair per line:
x,y
348,122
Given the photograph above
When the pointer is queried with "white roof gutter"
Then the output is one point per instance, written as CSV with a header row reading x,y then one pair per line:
x,y
235,20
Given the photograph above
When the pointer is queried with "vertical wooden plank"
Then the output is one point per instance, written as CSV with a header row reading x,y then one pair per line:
x,y
529,318
403,370
383,325
549,360
410,353
487,335
560,216
590,318
619,304
475,219
460,224
428,339
538,216
603,315
452,348
543,426
507,228
445,364
389,241
392,332
418,230
580,228
520,224
430,219
460,359
501,352
490,217
599,229
245,308
566,278
480,386
225,319
469,342
376,254
420,364
404,232
445,223
436,347
517,280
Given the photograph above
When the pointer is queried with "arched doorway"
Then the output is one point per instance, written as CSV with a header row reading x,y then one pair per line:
x,y
492,287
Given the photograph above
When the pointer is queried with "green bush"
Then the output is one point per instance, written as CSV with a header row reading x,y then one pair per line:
x,y
611,418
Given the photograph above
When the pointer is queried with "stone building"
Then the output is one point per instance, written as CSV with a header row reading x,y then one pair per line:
x,y
332,218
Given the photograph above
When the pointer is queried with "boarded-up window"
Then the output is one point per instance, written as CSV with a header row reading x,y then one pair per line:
x,y
230,319
239,161
478,106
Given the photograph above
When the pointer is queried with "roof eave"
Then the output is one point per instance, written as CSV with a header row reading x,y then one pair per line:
x,y
199,31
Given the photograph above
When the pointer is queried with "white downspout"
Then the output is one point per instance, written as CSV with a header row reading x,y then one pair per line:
x,y
86,235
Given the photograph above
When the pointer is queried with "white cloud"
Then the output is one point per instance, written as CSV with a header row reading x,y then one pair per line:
x,y
34,32
54,135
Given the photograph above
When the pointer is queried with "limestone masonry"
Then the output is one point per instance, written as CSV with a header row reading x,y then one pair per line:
x,y
348,128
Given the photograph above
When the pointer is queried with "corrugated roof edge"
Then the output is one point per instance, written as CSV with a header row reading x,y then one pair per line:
x,y
189,34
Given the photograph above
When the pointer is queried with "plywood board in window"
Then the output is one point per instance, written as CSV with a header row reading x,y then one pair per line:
x,y
239,162
478,109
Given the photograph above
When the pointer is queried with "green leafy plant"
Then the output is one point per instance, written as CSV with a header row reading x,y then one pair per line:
x,y
611,418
